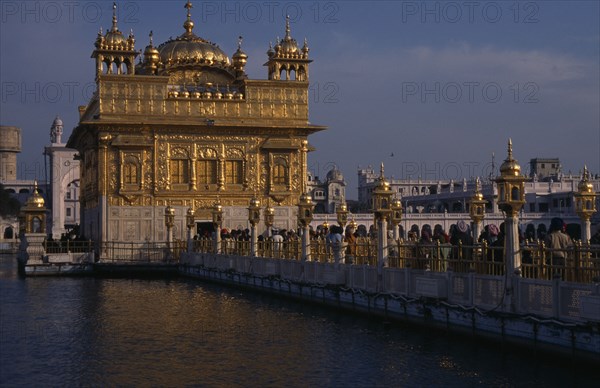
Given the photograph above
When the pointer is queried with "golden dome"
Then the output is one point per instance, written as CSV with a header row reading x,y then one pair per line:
x,y
254,202
191,49
305,198
114,39
36,200
239,57
382,183
510,167
585,186
288,47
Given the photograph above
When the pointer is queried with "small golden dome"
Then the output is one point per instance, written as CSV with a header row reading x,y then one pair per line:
x,y
239,57
254,202
35,200
585,186
382,183
288,45
305,198
151,53
510,167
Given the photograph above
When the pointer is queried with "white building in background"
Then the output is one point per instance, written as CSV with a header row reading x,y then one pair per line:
x,y
549,193
63,182
61,189
328,194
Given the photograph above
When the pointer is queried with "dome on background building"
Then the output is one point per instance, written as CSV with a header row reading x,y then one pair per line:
x,y
335,175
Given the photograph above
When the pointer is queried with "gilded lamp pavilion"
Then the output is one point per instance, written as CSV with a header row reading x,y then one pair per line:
x,y
186,128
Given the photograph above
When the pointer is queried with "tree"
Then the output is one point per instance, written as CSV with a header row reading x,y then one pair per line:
x,y
9,206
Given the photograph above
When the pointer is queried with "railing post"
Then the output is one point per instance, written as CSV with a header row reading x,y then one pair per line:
x,y
556,281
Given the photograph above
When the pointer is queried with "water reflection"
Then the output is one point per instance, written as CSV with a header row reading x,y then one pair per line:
x,y
99,331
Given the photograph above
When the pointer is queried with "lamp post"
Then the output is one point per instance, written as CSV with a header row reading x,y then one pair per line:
x,y
381,206
190,223
396,217
169,223
305,216
342,215
511,198
254,219
585,205
32,229
477,210
217,218
269,218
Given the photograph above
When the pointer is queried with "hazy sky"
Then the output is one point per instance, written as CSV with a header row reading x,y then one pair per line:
x,y
439,85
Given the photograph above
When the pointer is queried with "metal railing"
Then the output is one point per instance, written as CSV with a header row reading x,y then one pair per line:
x,y
146,252
581,264
68,246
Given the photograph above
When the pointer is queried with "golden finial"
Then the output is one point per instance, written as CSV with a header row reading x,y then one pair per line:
x,y
188,6
381,170
114,18
151,34
510,149
189,24
240,39
287,27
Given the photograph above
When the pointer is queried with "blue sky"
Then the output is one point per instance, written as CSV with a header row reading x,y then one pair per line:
x,y
440,85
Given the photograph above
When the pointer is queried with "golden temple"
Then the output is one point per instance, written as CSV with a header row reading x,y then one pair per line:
x,y
186,127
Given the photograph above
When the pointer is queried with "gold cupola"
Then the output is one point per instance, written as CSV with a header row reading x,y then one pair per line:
x,y
151,57
511,185
382,197
114,53
191,53
286,58
239,59
510,167
585,197
585,186
32,216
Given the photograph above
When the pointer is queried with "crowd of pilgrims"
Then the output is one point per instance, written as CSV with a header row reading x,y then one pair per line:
x,y
556,239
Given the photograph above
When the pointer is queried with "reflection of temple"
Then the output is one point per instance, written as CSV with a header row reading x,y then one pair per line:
x,y
187,128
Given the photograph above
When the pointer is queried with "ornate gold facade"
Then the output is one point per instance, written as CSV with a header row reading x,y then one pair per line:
x,y
186,128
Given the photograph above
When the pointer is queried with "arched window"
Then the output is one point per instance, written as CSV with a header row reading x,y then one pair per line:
x,y
8,233
207,171
514,194
280,172
234,166
234,172
179,171
130,173
36,225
